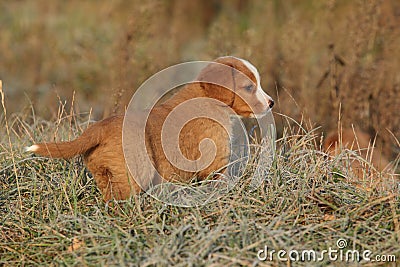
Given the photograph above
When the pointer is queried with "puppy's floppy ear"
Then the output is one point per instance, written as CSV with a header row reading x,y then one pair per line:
x,y
218,81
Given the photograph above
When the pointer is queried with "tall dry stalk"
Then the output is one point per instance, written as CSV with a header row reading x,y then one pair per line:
x,y
10,144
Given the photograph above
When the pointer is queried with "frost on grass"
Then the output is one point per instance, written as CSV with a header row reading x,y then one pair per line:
x,y
303,200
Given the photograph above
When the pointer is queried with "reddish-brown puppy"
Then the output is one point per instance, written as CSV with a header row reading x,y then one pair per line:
x,y
359,141
101,143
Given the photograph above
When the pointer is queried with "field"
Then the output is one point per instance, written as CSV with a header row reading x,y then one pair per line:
x,y
326,63
52,212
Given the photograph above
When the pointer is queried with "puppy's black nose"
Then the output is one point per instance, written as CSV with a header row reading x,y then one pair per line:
x,y
271,103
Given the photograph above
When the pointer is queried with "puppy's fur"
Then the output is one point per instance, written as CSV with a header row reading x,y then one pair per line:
x,y
101,143
360,142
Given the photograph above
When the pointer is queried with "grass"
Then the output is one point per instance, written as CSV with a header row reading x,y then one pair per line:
x,y
51,212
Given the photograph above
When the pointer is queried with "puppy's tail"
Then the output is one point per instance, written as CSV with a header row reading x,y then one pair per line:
x,y
90,138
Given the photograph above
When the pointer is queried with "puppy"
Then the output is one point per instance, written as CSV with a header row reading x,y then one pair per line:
x,y
360,142
235,85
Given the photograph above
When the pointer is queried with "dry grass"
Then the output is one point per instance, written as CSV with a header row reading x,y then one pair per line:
x,y
52,213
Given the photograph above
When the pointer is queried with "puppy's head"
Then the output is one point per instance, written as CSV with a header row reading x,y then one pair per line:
x,y
235,82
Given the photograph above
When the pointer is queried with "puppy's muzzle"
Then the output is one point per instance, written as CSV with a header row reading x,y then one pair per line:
x,y
270,103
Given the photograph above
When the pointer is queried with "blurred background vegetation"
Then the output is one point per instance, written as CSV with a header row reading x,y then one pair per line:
x,y
315,57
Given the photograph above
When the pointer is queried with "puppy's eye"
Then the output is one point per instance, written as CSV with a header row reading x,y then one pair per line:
x,y
249,87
